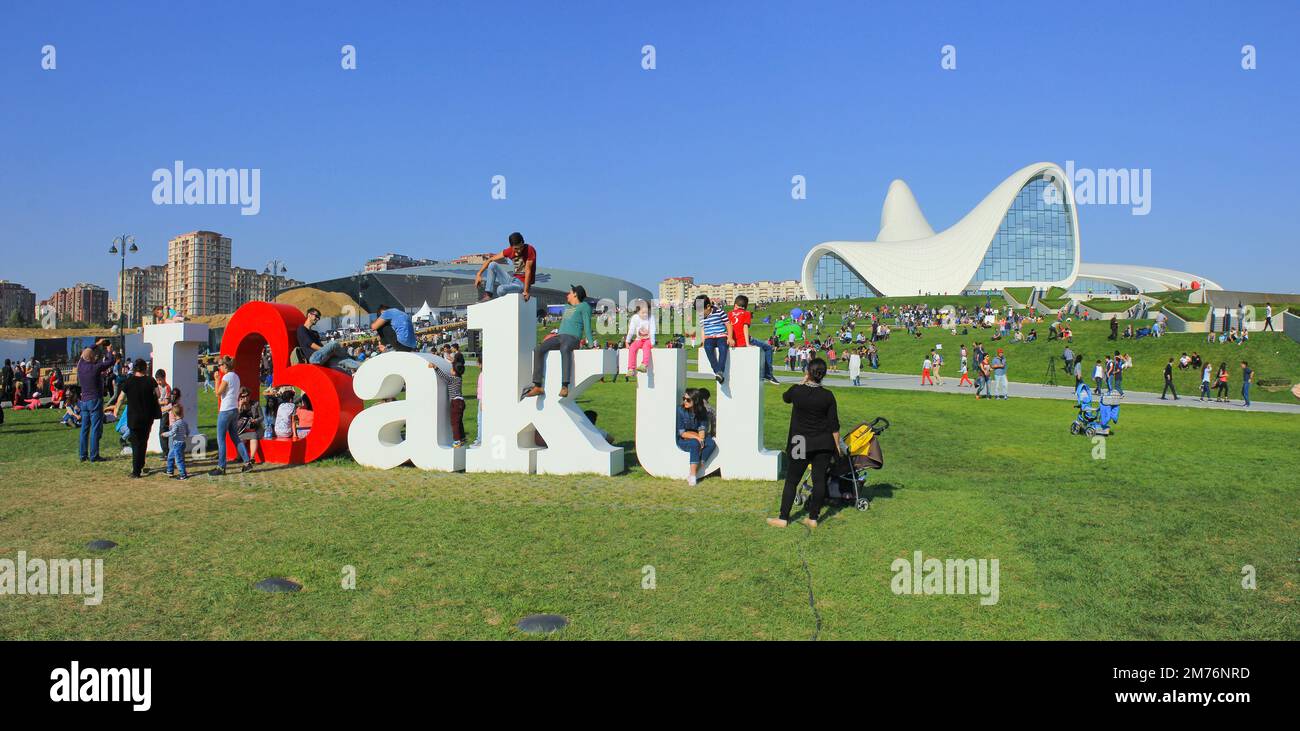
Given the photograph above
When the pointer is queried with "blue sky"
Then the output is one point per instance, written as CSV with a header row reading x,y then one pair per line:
x,y
683,170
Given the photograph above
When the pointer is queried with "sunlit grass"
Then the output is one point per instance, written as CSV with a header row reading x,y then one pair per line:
x,y
1149,542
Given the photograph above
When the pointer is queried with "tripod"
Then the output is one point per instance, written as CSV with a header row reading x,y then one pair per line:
x,y
1051,372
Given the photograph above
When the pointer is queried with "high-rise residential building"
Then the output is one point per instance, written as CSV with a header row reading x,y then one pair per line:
x,y
684,289
474,258
395,261
198,273
676,289
81,302
760,291
143,290
247,285
14,297
250,285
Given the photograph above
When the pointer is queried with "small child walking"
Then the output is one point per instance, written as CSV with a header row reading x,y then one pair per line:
x,y
178,437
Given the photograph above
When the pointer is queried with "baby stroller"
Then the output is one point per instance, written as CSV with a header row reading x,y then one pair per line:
x,y
1089,419
1109,410
848,474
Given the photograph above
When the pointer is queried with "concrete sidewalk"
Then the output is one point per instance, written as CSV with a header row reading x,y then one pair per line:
x,y
903,382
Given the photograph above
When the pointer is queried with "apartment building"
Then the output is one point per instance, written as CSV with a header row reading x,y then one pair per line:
x,y
14,297
81,302
395,261
198,273
684,289
143,290
250,285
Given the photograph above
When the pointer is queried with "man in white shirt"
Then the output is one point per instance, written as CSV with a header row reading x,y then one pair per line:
x,y
228,417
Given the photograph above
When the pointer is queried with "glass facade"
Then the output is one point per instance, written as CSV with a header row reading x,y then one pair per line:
x,y
834,279
1084,285
1036,241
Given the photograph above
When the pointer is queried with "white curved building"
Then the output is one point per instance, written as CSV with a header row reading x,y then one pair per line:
x,y
1131,279
1024,233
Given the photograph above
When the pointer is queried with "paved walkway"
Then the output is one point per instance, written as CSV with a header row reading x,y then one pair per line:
x,y
903,382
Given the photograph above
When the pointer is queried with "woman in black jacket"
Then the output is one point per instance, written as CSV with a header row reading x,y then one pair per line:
x,y
141,397
814,440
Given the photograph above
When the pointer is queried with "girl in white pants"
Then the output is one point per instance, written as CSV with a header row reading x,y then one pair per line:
x,y
640,337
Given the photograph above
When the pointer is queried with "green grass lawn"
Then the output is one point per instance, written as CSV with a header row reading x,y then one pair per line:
x,y
1271,355
1190,313
1171,296
1106,305
1149,542
1021,294
1278,309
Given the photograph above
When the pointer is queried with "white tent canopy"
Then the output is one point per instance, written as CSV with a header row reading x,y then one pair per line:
x,y
424,313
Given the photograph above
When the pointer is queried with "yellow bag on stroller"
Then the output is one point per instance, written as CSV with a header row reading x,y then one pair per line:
x,y
848,474
862,443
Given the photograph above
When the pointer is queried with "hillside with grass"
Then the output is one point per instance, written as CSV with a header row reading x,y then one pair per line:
x,y
1274,357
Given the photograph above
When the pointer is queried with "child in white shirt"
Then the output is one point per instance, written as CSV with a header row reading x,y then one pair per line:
x,y
640,337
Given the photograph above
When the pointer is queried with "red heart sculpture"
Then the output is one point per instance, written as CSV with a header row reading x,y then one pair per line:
x,y
333,401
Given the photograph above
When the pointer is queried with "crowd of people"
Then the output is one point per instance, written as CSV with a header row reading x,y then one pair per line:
x,y
23,385
1234,336
812,346
990,369
1212,379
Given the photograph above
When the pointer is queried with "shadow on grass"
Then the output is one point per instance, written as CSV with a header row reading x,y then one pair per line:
x,y
884,489
832,506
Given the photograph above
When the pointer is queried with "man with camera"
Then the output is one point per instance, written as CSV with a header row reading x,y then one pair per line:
x,y
93,370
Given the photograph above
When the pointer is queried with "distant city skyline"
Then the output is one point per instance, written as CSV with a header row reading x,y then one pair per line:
x,y
695,166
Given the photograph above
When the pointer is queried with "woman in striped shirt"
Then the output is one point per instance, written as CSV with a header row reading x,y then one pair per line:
x,y
715,332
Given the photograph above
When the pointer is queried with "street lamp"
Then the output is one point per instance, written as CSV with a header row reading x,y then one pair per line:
x,y
276,269
125,241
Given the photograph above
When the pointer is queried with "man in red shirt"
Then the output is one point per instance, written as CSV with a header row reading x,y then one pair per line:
x,y
740,318
501,279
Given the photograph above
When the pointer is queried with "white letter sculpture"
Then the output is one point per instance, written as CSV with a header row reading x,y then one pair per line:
x,y
375,436
573,446
739,406
176,350
658,394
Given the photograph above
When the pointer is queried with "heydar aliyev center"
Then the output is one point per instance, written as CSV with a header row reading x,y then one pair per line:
x,y
1023,234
